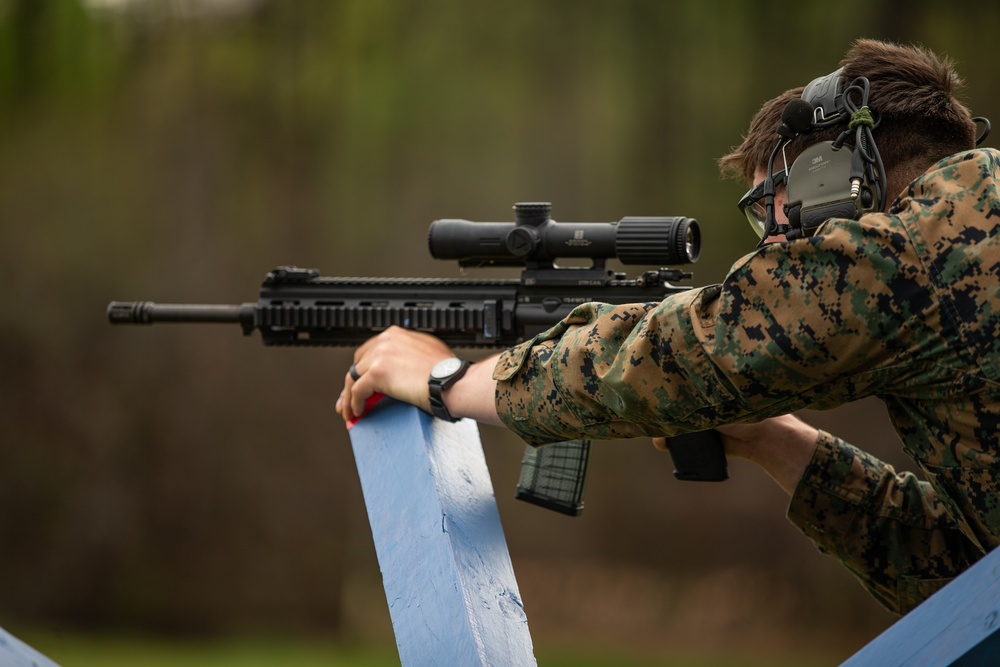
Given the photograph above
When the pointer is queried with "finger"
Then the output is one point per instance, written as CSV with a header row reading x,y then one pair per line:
x,y
357,394
344,400
359,384
343,404
661,444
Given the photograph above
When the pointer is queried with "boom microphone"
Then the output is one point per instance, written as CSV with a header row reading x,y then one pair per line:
x,y
796,118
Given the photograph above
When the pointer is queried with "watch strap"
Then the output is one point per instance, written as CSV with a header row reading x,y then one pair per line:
x,y
436,387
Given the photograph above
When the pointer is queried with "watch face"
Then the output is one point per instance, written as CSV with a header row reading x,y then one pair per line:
x,y
445,368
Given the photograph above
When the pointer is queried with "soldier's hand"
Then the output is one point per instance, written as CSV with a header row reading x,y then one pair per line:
x,y
782,446
397,363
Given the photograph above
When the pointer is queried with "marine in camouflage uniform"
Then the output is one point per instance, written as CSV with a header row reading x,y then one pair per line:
x,y
904,306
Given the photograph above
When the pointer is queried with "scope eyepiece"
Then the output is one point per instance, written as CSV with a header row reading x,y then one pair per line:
x,y
535,237
647,240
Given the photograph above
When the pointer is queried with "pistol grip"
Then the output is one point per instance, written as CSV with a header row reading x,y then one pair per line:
x,y
699,457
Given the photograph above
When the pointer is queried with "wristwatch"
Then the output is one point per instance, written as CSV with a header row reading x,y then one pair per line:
x,y
444,374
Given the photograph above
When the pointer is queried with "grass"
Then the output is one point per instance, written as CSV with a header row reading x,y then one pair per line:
x,y
131,651
117,651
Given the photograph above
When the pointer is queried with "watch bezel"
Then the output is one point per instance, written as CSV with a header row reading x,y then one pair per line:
x,y
446,368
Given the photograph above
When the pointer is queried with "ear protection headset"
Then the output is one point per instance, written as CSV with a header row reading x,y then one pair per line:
x,y
843,178
836,179
829,179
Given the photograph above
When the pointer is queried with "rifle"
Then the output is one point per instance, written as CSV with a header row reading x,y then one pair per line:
x,y
300,307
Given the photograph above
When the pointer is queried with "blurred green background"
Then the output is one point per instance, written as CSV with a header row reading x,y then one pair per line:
x,y
181,495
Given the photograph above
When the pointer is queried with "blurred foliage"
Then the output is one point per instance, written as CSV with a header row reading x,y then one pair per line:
x,y
186,480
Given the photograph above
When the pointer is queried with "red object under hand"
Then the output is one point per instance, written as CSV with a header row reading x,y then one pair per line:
x,y
369,404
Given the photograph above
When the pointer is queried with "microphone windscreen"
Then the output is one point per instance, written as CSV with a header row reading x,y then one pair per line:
x,y
797,115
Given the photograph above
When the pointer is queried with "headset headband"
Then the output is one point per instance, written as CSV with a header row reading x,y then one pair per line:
x,y
824,95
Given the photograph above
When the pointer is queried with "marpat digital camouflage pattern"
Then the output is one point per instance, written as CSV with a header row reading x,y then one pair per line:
x,y
904,306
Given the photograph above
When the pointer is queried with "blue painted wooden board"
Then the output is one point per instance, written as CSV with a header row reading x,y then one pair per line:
x,y
15,653
447,573
959,626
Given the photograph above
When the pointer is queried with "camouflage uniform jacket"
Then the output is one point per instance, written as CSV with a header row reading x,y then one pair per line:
x,y
904,306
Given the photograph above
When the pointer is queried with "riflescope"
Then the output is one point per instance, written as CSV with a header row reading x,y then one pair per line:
x,y
536,238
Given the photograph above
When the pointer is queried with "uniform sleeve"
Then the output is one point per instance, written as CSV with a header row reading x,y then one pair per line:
x,y
888,528
811,323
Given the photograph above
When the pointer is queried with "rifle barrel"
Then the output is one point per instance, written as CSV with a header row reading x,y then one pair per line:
x,y
147,312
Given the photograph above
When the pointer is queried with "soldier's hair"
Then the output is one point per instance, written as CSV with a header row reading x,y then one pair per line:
x,y
913,91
